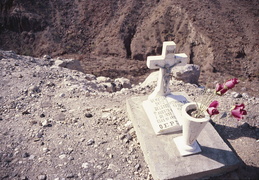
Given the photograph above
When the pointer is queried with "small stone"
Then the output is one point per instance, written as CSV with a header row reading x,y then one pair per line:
x,y
137,167
106,116
237,95
128,124
42,115
47,56
33,122
31,157
88,115
24,178
40,134
127,138
25,155
42,177
62,95
90,142
85,165
45,150
46,123
62,156
245,95
70,176
112,167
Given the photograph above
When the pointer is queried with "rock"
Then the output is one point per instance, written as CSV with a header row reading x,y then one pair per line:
x,y
90,142
112,167
46,56
189,73
42,115
128,124
88,115
62,95
42,177
103,79
137,167
125,83
236,95
69,64
62,156
90,77
33,89
45,150
245,95
110,87
46,123
106,116
24,178
25,155
85,165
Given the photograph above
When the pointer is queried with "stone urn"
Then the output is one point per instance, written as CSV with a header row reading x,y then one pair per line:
x,y
192,127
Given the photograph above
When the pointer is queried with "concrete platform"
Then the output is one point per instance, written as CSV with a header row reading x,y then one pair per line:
x,y
163,158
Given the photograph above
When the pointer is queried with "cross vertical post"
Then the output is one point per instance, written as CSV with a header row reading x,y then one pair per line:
x,y
165,63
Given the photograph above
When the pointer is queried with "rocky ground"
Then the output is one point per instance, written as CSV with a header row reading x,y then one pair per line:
x,y
58,123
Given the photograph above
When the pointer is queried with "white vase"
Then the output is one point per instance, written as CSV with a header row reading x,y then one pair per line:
x,y
192,127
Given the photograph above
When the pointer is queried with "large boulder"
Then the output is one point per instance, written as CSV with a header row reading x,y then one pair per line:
x,y
70,64
189,73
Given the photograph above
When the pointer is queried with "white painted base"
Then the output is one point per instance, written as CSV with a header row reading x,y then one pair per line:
x,y
185,149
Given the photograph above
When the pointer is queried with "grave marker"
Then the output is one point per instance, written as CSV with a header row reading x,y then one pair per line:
x,y
163,108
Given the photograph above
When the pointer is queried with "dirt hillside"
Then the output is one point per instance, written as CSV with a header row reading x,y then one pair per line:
x,y
221,36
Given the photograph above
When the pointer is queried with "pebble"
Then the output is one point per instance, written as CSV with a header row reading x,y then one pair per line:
x,y
106,115
24,178
237,95
85,165
25,155
112,167
62,156
88,115
45,150
245,95
42,177
42,115
137,167
90,142
45,123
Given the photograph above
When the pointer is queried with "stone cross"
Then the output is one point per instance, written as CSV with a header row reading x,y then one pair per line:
x,y
165,63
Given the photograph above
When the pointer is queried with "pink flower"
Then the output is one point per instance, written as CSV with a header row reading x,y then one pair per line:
x,y
231,83
221,89
212,109
238,111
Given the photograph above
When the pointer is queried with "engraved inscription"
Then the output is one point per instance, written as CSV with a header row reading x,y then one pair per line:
x,y
164,115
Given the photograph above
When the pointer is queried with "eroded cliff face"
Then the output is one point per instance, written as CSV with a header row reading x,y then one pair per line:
x,y
220,36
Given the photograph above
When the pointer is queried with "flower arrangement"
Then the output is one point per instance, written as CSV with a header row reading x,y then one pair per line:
x,y
238,111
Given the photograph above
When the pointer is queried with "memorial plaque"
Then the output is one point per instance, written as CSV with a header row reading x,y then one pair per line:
x,y
164,113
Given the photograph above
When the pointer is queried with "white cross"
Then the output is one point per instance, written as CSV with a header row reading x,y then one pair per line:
x,y
165,62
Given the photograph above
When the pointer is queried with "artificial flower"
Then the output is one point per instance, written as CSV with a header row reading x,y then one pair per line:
x,y
212,109
231,83
222,89
238,111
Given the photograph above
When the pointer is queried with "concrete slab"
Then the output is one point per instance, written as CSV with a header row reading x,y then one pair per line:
x,y
163,158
